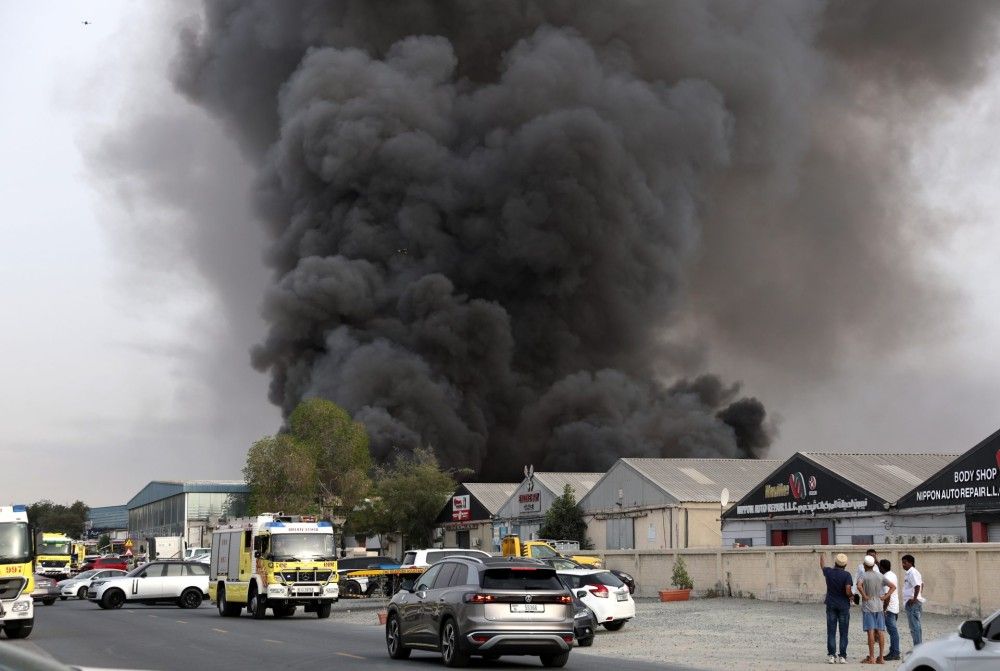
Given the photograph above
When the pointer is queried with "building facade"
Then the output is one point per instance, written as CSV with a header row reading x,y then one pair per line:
x,y
524,512
826,499
466,521
658,504
110,520
188,509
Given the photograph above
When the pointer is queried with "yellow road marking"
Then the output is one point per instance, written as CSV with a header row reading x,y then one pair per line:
x,y
221,631
346,654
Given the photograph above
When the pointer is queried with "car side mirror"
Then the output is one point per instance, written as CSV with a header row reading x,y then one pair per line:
x,y
973,631
582,593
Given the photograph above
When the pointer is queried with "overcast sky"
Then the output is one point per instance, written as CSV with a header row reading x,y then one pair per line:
x,y
122,366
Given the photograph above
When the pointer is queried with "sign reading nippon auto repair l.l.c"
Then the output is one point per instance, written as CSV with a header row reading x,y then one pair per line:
x,y
973,480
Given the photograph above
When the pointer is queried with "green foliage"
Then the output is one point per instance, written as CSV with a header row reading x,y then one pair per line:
x,y
320,465
408,495
54,517
680,578
104,543
564,520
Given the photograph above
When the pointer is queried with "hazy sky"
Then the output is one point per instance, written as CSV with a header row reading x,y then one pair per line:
x,y
122,365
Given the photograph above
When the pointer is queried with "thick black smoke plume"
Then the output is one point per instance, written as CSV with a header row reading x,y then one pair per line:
x,y
487,218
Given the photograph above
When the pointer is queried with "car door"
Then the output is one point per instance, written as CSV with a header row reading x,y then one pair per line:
x,y
174,580
147,585
415,624
987,659
434,603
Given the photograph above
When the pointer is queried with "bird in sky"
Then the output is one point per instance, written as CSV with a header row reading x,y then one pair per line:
x,y
86,23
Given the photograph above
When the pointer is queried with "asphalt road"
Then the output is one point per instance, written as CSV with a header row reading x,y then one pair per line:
x,y
167,638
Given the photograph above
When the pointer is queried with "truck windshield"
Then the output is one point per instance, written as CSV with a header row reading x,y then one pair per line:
x,y
15,543
291,547
53,548
543,552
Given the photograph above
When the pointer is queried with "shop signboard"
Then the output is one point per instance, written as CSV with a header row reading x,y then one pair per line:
x,y
973,480
801,488
460,508
529,502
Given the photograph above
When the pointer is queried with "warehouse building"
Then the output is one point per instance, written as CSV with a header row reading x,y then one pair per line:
x,y
963,500
466,521
523,513
110,520
657,504
188,509
825,498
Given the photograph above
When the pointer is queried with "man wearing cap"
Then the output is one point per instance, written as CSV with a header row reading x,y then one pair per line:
x,y
838,606
873,620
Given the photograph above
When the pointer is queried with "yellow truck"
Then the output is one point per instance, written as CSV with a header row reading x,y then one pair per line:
x,y
54,555
274,561
513,546
17,608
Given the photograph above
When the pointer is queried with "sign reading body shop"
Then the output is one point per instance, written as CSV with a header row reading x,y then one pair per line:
x,y
800,488
973,479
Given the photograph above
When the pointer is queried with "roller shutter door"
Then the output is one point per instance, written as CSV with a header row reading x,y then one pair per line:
x,y
804,536
993,532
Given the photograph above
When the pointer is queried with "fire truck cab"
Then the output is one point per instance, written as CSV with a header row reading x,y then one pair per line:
x,y
17,611
274,561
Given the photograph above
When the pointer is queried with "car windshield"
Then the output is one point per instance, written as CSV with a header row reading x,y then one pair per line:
x,y
543,552
53,548
603,578
85,574
15,542
521,579
137,570
290,547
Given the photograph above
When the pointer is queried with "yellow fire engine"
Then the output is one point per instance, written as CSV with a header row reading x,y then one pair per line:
x,y
17,610
274,561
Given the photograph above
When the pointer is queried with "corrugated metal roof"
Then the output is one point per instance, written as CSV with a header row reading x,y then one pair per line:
x,y
108,517
700,480
887,476
492,494
581,483
163,489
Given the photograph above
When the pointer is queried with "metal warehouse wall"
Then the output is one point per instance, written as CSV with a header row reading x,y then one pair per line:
x,y
960,579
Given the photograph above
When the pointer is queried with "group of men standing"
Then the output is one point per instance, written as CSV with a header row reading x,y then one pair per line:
x,y
875,587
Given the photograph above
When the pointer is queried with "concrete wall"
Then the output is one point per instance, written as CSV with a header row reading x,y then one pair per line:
x,y
960,579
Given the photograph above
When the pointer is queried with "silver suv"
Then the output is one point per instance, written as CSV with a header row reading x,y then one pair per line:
x,y
489,607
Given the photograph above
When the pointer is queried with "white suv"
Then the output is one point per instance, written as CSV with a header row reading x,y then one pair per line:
x,y
603,593
976,647
182,582
422,558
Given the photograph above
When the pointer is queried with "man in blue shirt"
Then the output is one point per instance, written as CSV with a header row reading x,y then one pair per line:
x,y
838,605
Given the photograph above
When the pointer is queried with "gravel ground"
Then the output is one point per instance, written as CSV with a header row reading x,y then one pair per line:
x,y
721,633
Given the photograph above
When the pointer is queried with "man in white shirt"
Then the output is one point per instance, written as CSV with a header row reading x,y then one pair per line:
x,y
890,604
913,585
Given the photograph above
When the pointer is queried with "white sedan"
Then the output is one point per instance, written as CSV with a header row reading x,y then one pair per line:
x,y
182,582
603,593
78,585
976,647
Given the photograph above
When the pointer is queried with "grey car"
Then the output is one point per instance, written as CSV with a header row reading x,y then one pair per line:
x,y
464,607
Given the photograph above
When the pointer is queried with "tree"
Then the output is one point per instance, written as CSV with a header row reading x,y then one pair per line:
x,y
54,517
104,543
564,520
321,464
408,495
680,578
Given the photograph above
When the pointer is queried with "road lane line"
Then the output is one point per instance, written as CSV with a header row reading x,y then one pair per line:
x,y
221,631
183,621
271,640
147,615
347,654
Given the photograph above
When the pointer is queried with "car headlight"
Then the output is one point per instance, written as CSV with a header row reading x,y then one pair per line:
x,y
20,607
581,613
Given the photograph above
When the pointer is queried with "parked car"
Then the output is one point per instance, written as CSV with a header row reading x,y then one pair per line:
x,y
584,623
45,589
464,607
173,581
108,561
421,558
563,564
975,647
198,554
78,586
603,593
360,586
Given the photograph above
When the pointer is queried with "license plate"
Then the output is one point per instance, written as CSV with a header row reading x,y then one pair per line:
x,y
527,608
623,597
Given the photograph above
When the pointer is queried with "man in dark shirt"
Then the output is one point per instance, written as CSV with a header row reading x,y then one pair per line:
x,y
838,606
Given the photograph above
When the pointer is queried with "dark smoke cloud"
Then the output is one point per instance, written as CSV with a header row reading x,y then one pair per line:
x,y
487,218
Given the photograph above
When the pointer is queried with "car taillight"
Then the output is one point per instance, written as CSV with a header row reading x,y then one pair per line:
x,y
476,597
480,638
601,591
565,598
568,638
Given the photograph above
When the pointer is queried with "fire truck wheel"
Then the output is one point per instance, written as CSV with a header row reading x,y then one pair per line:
x,y
190,598
19,629
257,607
49,601
323,610
62,598
227,609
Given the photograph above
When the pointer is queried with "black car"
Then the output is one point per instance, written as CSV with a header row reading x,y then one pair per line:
x,y
562,564
584,623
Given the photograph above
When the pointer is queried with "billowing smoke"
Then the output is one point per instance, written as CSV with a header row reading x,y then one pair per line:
x,y
493,224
